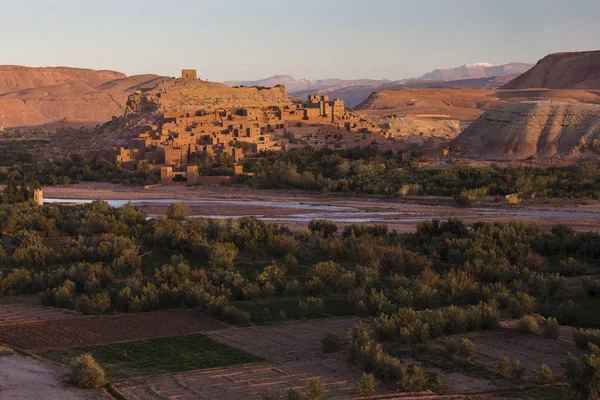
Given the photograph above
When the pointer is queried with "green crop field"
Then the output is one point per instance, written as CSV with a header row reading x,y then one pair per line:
x,y
157,356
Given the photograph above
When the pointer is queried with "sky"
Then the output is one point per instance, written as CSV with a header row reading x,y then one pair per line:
x,y
253,39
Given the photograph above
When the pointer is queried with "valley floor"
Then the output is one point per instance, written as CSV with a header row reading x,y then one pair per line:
x,y
296,209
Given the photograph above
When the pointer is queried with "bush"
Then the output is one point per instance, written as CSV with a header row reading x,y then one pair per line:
x,y
236,316
100,303
177,211
528,324
331,343
271,394
550,329
520,305
366,387
545,376
86,372
322,227
582,375
586,337
516,369
416,380
313,308
592,286
571,267
294,394
315,390
503,365
466,349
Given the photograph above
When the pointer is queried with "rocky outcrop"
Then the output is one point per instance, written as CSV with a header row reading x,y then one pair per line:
x,y
186,95
579,70
532,129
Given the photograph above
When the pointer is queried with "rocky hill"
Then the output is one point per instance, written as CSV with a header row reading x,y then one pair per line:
x,y
577,70
463,104
147,107
183,95
66,96
476,71
532,129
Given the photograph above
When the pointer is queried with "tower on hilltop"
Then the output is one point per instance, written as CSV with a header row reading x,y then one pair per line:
x,y
189,74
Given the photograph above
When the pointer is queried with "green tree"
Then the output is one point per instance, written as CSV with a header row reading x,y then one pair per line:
x,y
177,211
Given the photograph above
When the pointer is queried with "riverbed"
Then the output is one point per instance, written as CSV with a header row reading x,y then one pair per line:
x,y
296,209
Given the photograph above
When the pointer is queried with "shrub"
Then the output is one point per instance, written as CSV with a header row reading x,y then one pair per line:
x,y
312,308
294,394
271,394
86,372
516,369
315,390
545,376
520,305
592,286
452,347
528,324
100,303
503,365
366,387
83,305
585,337
322,227
582,375
571,267
550,329
466,349
331,343
177,211
416,380
236,316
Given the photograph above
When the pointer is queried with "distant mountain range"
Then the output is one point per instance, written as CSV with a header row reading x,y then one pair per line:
x,y
355,91
476,71
298,85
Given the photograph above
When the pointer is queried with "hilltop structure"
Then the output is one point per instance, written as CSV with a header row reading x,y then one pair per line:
x,y
184,136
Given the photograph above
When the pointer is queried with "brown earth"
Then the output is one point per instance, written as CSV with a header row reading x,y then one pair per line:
x,y
17,313
531,350
293,352
576,70
532,129
464,105
58,96
82,331
25,378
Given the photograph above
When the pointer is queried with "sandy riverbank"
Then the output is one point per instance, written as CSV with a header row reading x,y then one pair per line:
x,y
296,208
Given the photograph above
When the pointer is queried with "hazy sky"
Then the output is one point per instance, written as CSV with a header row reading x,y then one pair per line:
x,y
251,39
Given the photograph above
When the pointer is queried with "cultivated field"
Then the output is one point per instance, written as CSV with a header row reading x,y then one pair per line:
x,y
82,331
17,313
293,353
286,342
532,350
157,356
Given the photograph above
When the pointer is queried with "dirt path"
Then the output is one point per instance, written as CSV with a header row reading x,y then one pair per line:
x,y
24,378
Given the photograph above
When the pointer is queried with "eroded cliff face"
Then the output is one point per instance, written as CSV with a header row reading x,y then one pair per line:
x,y
186,95
575,70
539,129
